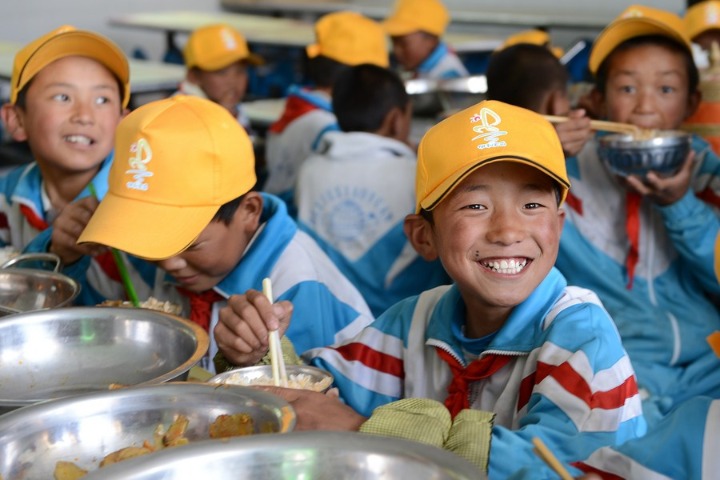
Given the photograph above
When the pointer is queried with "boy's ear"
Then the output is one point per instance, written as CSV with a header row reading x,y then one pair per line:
x,y
394,125
419,233
249,211
13,122
693,103
596,103
556,103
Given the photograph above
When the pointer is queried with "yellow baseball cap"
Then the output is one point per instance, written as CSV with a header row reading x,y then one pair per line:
x,y
535,37
701,17
216,46
67,41
350,38
411,16
636,21
176,162
485,133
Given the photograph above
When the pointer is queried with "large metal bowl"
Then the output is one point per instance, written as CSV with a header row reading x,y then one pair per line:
x,y
312,455
663,154
29,289
85,428
68,351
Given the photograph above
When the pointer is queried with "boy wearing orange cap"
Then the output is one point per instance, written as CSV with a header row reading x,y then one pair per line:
x,y
416,28
217,57
180,195
645,245
68,91
343,39
509,351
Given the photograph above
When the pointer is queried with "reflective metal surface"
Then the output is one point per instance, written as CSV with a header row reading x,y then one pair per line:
x,y
625,155
444,97
68,351
263,373
83,429
297,455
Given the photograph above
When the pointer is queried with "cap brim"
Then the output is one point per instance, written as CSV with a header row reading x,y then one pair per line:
x,y
433,199
625,29
146,230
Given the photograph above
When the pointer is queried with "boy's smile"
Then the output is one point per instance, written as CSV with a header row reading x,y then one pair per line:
x,y
497,235
647,85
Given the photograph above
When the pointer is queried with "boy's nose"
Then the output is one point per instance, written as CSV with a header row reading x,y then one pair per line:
x,y
505,228
83,113
172,264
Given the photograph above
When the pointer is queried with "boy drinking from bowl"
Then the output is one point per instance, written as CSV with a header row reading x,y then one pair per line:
x,y
645,245
507,352
181,199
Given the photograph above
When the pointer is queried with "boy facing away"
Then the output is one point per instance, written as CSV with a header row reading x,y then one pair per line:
x,y
68,91
217,58
343,39
180,198
507,352
355,191
416,28
646,245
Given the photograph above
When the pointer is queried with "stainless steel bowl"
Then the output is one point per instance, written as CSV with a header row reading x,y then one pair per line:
x,y
29,289
663,154
315,455
83,429
262,375
68,351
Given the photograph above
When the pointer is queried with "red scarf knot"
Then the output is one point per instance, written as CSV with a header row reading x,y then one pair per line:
x,y
201,305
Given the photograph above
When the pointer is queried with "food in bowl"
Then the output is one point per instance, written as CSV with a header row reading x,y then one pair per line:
x,y
659,151
302,377
151,303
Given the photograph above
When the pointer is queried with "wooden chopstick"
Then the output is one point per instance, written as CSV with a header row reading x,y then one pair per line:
x,y
547,456
276,357
602,125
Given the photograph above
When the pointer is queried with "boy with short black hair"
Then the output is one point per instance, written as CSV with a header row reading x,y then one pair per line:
x,y
217,58
209,236
416,28
645,245
354,192
343,39
531,76
510,348
68,91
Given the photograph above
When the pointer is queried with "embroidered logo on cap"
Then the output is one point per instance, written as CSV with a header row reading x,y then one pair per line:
x,y
488,131
140,156
228,39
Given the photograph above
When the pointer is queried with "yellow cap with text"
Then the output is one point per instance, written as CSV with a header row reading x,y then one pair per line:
x,y
213,47
350,38
409,16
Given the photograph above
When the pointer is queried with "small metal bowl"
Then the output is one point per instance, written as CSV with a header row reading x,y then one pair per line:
x,y
316,455
663,154
317,379
85,428
69,351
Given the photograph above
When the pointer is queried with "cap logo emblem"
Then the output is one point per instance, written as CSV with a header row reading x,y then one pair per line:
x,y
228,40
633,13
487,129
140,156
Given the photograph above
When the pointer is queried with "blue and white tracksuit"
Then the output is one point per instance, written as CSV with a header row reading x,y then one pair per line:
x,y
307,117
352,196
569,380
25,209
443,63
327,308
666,316
683,445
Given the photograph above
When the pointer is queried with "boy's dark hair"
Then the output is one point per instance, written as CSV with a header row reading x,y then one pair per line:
x,y
226,212
363,95
657,40
322,71
523,74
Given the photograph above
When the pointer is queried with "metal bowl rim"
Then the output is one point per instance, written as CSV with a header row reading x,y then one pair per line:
x,y
221,378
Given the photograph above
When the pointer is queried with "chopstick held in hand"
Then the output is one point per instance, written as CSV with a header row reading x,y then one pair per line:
x,y
547,456
276,357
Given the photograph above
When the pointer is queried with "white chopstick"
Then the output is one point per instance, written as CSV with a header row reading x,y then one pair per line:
x,y
276,356
542,451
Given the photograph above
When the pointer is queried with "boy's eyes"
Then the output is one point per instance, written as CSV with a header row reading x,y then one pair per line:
x,y
527,206
61,97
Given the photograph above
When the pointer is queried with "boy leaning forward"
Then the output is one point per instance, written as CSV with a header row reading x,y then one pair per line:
x,y
509,351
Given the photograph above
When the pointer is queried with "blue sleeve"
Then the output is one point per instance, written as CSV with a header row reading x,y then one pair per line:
x,y
584,395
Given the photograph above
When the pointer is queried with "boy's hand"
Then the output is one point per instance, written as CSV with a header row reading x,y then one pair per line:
x,y
319,411
574,133
67,228
665,190
242,332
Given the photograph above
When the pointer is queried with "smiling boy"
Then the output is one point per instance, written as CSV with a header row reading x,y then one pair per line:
x,y
510,349
68,92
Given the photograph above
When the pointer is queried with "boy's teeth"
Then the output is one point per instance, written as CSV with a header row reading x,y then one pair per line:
x,y
506,266
78,139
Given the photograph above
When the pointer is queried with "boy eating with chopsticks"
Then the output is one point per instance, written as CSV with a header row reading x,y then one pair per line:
x,y
181,205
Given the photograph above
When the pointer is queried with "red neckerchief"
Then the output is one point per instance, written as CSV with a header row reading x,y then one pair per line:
x,y
459,389
632,227
33,219
201,305
294,107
